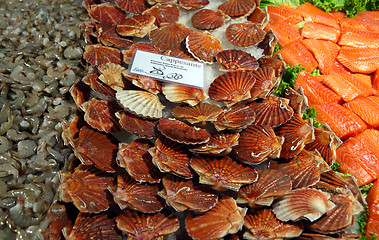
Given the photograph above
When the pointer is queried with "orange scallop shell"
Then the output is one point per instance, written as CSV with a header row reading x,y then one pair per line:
x,y
207,19
111,74
181,132
80,93
170,156
179,54
147,83
169,36
262,224
163,13
192,4
220,144
233,60
184,194
258,16
87,188
222,174
93,81
203,46
105,13
136,26
178,93
224,218
132,6
272,111
137,161
238,8
107,35
257,144
298,101
276,62
127,55
264,82
152,2
231,87
70,133
234,118
268,43
199,114
144,128
269,185
244,34
98,54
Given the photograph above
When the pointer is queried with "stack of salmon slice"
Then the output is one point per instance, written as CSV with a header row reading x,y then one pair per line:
x,y
345,96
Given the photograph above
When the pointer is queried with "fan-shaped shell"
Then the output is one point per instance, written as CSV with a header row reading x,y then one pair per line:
x,y
298,101
146,226
219,144
234,118
231,87
269,185
203,46
244,34
192,4
223,173
98,54
272,111
268,43
262,224
132,6
259,16
127,55
107,35
93,81
152,2
105,13
70,133
142,103
179,54
163,13
144,128
136,196
238,8
207,19
183,194
304,169
296,132
199,114
276,62
136,26
171,157
111,74
178,93
80,93
301,203
264,83
181,132
169,36
233,60
147,83
224,218
87,188
137,161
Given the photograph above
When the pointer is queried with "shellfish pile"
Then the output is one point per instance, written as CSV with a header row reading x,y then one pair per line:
x,y
157,159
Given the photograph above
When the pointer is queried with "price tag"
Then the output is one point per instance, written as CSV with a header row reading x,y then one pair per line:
x,y
167,68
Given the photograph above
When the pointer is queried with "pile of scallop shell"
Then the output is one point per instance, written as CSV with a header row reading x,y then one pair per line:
x,y
157,159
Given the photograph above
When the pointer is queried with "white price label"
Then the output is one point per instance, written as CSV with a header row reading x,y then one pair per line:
x,y
167,68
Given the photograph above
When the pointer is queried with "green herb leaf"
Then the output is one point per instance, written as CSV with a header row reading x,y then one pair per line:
x,y
362,220
316,72
365,189
265,3
289,78
311,113
335,167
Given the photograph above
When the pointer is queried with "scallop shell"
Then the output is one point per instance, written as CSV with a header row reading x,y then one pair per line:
x,y
180,54
163,13
224,218
183,194
304,169
181,132
171,157
132,6
127,55
97,226
262,224
302,203
98,54
137,161
142,103
203,46
146,226
199,114
259,16
238,8
257,144
105,13
298,101
70,133
207,19
220,144
264,82
234,60
183,94
96,148
136,26
222,174
268,43
244,34
276,62
169,36
269,185
132,195
80,93
111,74
57,215
107,35
234,118
272,111
144,128
231,87
147,83
87,188
152,2
192,4
297,133
326,143
92,80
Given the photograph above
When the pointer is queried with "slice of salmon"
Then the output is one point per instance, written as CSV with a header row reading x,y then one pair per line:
x,y
326,53
359,60
370,138
296,53
284,13
320,31
372,223
317,15
339,16
366,108
372,200
364,20
347,86
315,91
286,33
358,38
342,121
375,80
